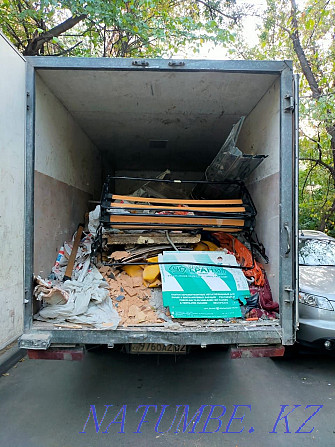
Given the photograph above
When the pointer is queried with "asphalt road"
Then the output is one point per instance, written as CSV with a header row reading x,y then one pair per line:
x,y
47,403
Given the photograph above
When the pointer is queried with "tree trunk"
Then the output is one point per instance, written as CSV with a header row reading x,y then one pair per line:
x,y
299,51
331,132
326,216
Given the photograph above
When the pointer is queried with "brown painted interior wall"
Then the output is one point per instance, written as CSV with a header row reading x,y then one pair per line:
x,y
59,208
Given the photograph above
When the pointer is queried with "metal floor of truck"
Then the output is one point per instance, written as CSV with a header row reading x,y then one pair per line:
x,y
189,332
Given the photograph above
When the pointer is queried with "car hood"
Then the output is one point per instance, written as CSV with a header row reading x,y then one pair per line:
x,y
318,280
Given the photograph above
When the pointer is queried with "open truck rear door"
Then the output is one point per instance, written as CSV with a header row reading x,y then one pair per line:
x,y
12,190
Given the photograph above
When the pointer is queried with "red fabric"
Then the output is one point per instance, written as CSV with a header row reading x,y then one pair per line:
x,y
265,296
243,256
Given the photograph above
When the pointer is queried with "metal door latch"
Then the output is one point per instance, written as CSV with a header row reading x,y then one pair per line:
x,y
140,63
288,236
289,100
289,296
176,64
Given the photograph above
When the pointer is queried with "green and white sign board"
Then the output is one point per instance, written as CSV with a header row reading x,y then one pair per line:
x,y
202,291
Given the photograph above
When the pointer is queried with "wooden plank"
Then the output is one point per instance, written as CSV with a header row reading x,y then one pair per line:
x,y
70,265
148,227
237,209
174,220
151,238
178,201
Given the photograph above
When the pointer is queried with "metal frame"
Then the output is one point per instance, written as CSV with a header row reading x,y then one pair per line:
x,y
43,339
248,215
296,198
287,207
29,196
271,335
80,63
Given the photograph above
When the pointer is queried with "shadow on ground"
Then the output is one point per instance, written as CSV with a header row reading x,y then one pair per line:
x,y
47,403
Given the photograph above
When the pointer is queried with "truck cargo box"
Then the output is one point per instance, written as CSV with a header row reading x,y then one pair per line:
x,y
87,118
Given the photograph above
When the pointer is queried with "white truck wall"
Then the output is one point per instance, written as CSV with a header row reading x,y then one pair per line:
x,y
67,175
12,144
260,134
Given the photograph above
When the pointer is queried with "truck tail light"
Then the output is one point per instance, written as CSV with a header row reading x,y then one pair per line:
x,y
244,352
56,354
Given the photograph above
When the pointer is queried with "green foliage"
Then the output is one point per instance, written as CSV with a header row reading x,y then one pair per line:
x,y
314,24
316,186
117,27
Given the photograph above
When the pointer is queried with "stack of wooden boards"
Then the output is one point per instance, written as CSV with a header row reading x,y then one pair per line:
x,y
141,213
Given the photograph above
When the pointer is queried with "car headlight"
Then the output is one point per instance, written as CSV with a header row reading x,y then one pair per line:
x,y
315,301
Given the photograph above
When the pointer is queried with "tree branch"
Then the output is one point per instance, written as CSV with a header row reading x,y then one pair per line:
x,y
320,162
12,32
19,7
61,53
327,216
304,64
36,43
306,179
218,11
319,20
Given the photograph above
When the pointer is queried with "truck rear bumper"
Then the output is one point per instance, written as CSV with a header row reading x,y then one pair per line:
x,y
265,333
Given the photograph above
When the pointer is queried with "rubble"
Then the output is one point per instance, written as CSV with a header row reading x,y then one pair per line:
x,y
122,293
84,299
132,298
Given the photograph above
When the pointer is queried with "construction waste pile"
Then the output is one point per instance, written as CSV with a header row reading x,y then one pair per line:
x,y
164,256
151,283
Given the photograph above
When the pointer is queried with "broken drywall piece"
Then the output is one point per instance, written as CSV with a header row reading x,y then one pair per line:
x,y
118,255
133,310
46,291
137,281
130,291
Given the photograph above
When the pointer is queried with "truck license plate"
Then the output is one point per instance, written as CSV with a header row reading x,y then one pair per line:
x,y
156,348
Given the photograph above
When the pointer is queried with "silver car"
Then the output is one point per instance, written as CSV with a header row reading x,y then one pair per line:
x,y
316,289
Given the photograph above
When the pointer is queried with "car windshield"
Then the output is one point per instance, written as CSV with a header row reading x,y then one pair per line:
x,y
316,252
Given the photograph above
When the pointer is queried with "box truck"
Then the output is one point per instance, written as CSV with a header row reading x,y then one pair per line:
x,y
67,123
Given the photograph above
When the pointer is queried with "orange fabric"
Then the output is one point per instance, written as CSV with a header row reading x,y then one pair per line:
x,y
243,256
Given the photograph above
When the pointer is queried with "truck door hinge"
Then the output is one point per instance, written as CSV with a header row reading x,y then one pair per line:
x,y
28,100
26,291
289,103
289,295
